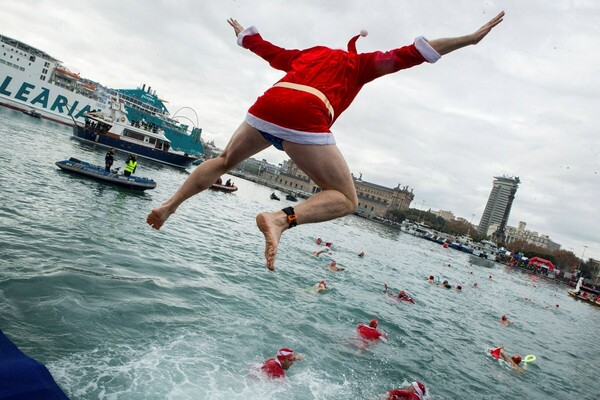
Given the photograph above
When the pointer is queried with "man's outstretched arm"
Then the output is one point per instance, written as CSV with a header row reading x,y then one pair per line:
x,y
447,45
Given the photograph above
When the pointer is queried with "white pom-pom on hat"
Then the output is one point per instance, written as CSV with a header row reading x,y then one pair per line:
x,y
363,32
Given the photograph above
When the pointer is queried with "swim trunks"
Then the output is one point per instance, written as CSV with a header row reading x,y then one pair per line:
x,y
275,141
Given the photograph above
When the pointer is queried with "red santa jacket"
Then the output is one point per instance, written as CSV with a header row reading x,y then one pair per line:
x,y
338,74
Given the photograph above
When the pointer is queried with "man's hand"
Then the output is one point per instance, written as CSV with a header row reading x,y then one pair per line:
x,y
237,28
484,30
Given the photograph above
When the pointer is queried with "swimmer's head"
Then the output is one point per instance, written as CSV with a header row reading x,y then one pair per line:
x,y
458,287
430,277
332,263
373,323
402,293
418,388
319,241
285,354
328,244
323,283
445,283
557,306
516,358
504,318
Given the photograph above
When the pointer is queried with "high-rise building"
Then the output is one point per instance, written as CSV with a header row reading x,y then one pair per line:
x,y
498,206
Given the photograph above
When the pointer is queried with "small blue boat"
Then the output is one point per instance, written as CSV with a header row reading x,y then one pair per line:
x,y
98,173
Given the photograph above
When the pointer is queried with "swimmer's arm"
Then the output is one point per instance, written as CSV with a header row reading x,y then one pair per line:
x,y
250,38
447,45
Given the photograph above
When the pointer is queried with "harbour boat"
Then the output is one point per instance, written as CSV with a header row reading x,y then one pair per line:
x,y
32,79
274,196
481,261
590,299
291,197
33,113
114,130
223,188
485,249
98,173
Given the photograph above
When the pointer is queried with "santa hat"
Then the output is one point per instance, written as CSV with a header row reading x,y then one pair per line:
x,y
352,42
285,354
373,323
420,389
324,283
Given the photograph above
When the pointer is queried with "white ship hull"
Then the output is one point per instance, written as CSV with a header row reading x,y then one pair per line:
x,y
21,92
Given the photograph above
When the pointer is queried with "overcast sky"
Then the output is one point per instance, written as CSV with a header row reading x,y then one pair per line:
x,y
521,103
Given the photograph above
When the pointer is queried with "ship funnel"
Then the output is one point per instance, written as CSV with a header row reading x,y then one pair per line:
x,y
149,89
144,87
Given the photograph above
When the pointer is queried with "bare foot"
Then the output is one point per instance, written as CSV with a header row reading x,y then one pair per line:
x,y
272,226
158,216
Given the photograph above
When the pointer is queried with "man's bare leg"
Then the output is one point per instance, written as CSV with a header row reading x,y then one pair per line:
x,y
245,142
326,166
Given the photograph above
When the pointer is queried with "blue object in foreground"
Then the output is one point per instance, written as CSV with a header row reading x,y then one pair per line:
x,y
22,377
100,174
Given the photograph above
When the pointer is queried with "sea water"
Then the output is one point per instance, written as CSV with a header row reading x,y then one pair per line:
x,y
117,310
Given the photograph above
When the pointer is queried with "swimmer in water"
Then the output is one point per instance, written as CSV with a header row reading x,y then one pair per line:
x,y
334,267
324,249
446,285
321,286
370,333
416,391
275,367
458,288
319,241
402,296
514,361
361,254
475,285
505,321
431,279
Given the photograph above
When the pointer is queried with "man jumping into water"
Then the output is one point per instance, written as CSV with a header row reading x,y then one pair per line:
x,y
296,114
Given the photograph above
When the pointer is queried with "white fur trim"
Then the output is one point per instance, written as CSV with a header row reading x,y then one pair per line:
x,y
246,32
418,390
426,50
291,135
364,33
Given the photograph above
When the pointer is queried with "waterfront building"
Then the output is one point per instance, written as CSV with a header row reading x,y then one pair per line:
x,y
446,215
380,201
513,234
497,209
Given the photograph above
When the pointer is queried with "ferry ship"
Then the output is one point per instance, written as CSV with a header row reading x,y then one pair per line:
x,y
31,79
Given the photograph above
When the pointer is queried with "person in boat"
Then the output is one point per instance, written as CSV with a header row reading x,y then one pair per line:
x,y
333,267
109,159
296,114
416,391
219,181
228,183
499,352
505,321
321,286
370,332
275,367
130,165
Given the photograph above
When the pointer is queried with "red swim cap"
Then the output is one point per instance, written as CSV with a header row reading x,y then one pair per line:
x,y
328,244
504,318
373,323
285,354
419,389
458,287
323,282
431,277
516,358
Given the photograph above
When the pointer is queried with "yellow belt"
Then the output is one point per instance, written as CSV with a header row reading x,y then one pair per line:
x,y
308,89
